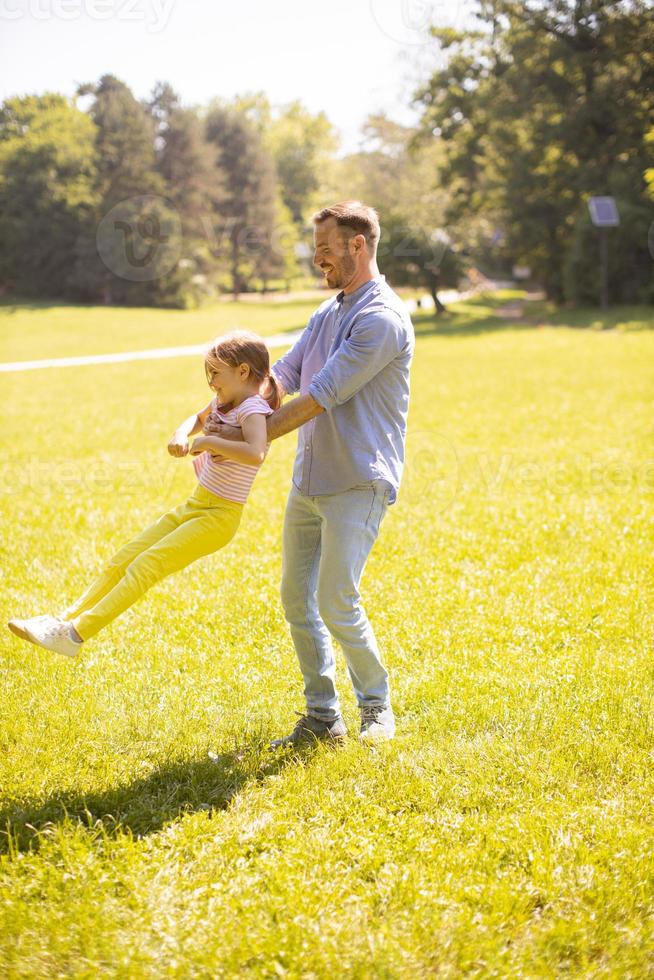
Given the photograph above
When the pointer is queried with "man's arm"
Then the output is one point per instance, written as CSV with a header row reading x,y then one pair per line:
x,y
292,415
287,418
376,339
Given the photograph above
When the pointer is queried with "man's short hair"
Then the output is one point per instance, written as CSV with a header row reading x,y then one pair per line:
x,y
356,218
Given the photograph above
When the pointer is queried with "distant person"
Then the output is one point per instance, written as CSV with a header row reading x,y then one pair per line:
x,y
351,367
237,369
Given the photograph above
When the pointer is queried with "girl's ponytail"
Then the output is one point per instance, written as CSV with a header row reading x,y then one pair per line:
x,y
274,395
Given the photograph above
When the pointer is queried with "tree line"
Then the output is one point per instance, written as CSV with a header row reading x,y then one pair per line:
x,y
529,112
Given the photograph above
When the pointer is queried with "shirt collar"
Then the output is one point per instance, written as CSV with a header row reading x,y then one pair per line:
x,y
347,299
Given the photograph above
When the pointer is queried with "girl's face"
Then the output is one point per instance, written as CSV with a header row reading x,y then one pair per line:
x,y
228,382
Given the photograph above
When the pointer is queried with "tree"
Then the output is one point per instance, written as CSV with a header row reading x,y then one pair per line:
x,y
246,216
195,186
280,261
546,104
399,177
127,178
302,145
186,160
411,257
48,172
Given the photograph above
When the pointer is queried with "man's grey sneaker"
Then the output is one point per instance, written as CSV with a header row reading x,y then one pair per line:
x,y
377,723
310,729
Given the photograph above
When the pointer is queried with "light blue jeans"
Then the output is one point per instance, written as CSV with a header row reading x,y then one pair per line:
x,y
326,542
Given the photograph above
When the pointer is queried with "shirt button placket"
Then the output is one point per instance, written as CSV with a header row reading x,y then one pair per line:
x,y
307,465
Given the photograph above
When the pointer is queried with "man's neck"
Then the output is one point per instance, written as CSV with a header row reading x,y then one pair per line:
x,y
364,276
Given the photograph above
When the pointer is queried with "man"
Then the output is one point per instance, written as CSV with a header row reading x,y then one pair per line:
x,y
351,367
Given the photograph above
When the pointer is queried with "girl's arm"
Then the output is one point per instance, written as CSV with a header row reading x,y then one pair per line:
x,y
178,445
252,450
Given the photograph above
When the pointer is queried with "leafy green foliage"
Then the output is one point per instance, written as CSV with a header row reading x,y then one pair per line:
x,y
545,105
48,189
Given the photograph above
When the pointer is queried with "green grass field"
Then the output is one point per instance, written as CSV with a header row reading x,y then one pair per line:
x,y
505,832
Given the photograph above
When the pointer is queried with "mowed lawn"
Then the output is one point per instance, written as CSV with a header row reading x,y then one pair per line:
x,y
146,830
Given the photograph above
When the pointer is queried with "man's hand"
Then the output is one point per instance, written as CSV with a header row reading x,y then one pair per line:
x,y
211,424
214,427
178,445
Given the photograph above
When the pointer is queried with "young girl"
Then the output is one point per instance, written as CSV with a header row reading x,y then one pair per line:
x,y
238,370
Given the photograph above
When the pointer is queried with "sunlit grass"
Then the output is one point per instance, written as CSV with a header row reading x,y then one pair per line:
x,y
507,829
37,331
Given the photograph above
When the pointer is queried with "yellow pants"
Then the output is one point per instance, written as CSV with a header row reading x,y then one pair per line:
x,y
200,526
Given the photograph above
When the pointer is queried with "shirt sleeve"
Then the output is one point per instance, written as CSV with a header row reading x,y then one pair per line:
x,y
252,406
288,369
376,338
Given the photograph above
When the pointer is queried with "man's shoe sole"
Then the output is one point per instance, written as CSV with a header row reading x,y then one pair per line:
x,y
309,739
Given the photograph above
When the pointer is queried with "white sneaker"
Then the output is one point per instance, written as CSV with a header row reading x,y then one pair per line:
x,y
377,723
17,626
53,634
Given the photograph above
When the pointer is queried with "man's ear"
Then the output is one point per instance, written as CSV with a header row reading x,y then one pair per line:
x,y
359,242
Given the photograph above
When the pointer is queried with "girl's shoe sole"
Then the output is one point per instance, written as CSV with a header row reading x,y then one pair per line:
x,y
19,631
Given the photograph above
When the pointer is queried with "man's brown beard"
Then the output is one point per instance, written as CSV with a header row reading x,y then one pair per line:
x,y
346,272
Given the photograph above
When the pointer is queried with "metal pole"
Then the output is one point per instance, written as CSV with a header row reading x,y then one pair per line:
x,y
604,268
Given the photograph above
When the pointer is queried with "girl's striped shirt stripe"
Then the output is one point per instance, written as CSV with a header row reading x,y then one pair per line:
x,y
226,477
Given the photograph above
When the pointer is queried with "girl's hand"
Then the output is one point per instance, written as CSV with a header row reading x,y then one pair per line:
x,y
197,447
178,445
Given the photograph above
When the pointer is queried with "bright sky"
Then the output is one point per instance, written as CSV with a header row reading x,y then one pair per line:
x,y
347,57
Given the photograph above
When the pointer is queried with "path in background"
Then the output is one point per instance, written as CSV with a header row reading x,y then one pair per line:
x,y
515,308
192,350
153,354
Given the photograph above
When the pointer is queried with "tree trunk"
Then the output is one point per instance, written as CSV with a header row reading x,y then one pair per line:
x,y
236,283
433,289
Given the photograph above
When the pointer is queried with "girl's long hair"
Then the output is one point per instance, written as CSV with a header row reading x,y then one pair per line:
x,y
243,347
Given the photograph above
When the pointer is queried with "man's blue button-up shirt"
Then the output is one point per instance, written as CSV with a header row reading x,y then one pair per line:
x,y
353,358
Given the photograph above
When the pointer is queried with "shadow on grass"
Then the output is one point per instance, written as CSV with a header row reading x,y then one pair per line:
x,y
457,325
504,310
15,304
146,805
